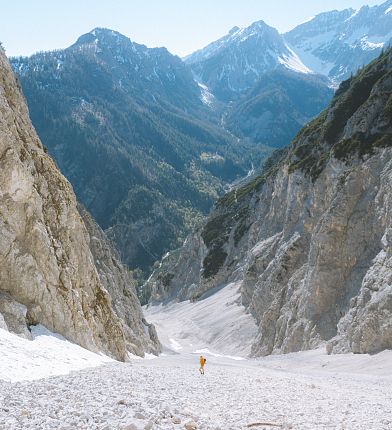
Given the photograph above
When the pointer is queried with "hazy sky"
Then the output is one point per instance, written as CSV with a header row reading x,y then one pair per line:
x,y
27,26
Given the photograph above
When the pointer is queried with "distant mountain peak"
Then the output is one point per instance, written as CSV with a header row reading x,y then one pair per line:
x,y
232,64
337,43
102,35
257,29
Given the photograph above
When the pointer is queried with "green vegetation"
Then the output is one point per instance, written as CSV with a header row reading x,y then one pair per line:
x,y
356,143
243,224
213,262
278,106
388,107
350,101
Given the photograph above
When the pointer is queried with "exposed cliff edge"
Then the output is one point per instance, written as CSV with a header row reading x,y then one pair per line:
x,y
310,239
47,270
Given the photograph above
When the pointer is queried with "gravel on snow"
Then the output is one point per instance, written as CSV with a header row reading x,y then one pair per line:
x,y
169,393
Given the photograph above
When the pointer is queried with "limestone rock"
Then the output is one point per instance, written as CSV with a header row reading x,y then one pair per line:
x,y
47,271
191,425
140,336
309,239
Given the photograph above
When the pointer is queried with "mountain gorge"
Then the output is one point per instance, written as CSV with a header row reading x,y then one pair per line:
x,y
149,142
140,140
309,239
129,134
57,270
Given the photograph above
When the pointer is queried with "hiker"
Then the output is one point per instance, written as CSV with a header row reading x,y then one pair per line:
x,y
202,363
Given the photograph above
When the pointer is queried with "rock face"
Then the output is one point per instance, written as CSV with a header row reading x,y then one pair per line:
x,y
47,271
117,280
310,239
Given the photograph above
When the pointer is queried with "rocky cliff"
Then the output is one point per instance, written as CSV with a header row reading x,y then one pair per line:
x,y
310,238
48,273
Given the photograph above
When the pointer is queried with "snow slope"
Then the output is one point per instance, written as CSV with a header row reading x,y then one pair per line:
x,y
337,43
46,355
302,391
218,323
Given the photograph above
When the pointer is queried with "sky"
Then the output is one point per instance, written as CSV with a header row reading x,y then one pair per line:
x,y
182,26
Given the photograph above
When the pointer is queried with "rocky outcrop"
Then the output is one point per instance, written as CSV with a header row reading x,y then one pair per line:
x,y
116,279
47,271
310,238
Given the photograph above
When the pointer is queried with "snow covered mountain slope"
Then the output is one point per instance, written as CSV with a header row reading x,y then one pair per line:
x,y
302,391
46,355
49,383
206,324
334,44
233,64
337,43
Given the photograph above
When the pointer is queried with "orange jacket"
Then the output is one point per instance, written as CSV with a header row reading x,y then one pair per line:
x,y
202,361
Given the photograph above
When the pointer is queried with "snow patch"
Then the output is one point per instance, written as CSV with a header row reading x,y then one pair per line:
x,y
218,323
48,354
206,96
293,62
207,352
175,345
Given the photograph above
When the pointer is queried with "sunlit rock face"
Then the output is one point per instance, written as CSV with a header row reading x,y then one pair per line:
x,y
309,239
47,271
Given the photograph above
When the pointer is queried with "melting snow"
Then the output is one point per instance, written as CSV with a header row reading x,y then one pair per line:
x,y
207,323
206,96
48,354
293,62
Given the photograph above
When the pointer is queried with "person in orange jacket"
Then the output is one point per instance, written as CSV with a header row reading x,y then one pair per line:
x,y
202,363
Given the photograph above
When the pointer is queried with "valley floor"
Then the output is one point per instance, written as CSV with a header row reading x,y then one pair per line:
x,y
48,383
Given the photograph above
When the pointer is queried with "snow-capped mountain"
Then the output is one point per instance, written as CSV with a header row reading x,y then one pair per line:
x,y
337,43
234,63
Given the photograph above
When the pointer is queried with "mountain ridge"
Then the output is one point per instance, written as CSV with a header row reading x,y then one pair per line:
x,y
338,43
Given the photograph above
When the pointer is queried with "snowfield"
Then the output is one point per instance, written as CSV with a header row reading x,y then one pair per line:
x,y
47,355
307,390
